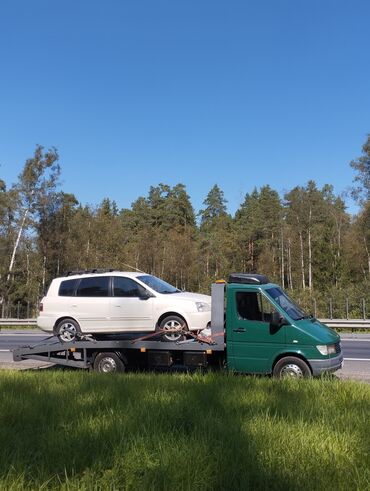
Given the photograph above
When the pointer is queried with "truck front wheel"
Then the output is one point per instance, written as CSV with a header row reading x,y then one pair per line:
x,y
291,367
108,363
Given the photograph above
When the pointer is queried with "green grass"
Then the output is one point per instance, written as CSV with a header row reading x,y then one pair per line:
x,y
76,430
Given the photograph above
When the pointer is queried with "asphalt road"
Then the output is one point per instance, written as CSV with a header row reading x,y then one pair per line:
x,y
356,350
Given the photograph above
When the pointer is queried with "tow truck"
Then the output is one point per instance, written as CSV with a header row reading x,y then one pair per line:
x,y
255,328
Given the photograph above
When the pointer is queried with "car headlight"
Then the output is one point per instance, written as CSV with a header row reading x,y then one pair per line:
x,y
327,349
203,307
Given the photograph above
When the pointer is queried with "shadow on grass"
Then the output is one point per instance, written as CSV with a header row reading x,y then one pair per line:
x,y
152,431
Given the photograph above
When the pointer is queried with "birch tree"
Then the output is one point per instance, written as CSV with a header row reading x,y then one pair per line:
x,y
38,178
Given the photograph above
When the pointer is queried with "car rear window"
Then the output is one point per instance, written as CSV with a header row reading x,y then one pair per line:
x,y
96,286
67,288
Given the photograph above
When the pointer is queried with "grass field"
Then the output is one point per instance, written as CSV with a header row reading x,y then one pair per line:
x,y
77,430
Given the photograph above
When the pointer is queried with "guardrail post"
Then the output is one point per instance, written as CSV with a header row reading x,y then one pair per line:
x,y
18,305
364,308
347,308
314,307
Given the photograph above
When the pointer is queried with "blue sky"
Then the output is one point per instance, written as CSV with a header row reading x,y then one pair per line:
x,y
134,93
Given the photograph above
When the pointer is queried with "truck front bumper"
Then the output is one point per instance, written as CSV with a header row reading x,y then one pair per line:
x,y
327,365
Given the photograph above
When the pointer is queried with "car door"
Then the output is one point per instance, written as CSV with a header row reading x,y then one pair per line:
x,y
252,341
91,305
131,306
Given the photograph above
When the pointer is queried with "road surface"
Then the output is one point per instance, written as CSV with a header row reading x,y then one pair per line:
x,y
356,351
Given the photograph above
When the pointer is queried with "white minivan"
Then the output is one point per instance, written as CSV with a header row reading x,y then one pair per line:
x,y
99,301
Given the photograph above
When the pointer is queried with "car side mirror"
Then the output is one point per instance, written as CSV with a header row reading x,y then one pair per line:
x,y
277,320
145,295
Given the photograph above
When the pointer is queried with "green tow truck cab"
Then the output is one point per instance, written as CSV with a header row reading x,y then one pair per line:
x,y
267,332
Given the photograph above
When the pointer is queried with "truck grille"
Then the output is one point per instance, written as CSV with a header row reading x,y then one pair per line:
x,y
337,347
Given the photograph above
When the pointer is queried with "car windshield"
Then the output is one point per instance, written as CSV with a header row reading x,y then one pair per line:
x,y
158,285
287,304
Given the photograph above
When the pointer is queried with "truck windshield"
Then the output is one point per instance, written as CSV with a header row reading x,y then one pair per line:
x,y
286,303
158,285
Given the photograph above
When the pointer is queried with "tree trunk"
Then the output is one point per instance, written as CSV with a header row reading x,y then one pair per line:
x,y
88,242
44,275
309,253
290,265
368,256
282,259
163,261
28,269
302,261
17,243
251,254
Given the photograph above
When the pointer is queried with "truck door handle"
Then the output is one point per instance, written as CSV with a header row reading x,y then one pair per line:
x,y
240,329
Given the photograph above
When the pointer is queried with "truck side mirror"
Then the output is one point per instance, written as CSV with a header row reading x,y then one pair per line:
x,y
277,320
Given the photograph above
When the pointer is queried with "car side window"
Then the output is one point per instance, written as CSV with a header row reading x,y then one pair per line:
x,y
95,286
67,288
126,287
253,306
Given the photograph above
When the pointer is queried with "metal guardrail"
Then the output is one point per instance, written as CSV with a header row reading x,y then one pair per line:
x,y
17,322
334,323
347,323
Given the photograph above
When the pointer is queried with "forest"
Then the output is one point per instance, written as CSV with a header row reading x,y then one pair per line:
x,y
305,240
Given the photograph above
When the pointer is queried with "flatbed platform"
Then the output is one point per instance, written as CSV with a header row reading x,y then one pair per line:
x,y
122,350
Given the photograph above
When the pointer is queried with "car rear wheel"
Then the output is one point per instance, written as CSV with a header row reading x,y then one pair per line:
x,y
175,325
67,330
291,367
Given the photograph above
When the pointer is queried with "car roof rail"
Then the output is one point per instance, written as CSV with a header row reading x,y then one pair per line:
x,y
89,271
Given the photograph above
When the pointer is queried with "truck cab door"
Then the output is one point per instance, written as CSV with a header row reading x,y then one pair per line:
x,y
252,342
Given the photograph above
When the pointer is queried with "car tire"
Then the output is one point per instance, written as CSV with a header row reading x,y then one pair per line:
x,y
67,330
291,367
173,322
108,363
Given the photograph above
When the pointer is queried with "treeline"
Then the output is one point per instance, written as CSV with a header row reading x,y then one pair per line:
x,y
304,240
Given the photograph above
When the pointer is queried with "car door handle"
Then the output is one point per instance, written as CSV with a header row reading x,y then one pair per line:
x,y
239,329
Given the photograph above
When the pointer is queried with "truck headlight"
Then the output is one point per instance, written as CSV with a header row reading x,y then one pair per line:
x,y
203,307
327,349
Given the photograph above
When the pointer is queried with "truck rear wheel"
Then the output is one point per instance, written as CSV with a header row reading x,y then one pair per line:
x,y
108,363
291,367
